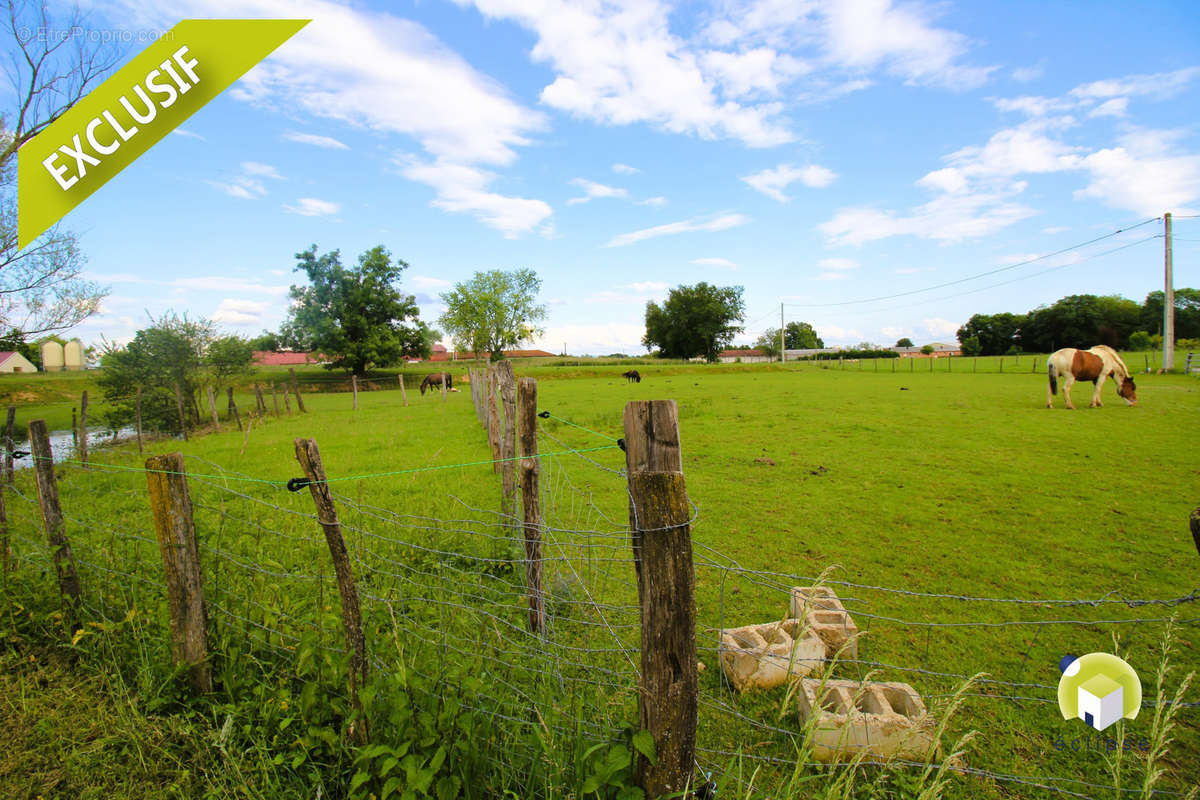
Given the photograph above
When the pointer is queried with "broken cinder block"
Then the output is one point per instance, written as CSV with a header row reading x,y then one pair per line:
x,y
885,719
826,617
763,656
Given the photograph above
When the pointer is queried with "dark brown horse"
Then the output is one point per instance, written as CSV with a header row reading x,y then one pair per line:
x,y
434,381
632,376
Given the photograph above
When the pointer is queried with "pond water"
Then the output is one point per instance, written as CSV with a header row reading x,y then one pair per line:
x,y
62,444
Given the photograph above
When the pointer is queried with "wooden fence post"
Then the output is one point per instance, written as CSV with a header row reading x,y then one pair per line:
x,y
259,403
212,405
296,390
443,387
403,394
179,406
75,427
233,410
4,550
354,388
275,399
176,530
1001,363
662,549
508,439
531,507
287,400
137,417
310,461
52,518
493,418
9,444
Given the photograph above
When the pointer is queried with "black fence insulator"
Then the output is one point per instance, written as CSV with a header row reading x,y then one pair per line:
x,y
19,453
544,414
296,484
621,444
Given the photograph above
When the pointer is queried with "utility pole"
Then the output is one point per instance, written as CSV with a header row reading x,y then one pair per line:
x,y
1168,299
782,355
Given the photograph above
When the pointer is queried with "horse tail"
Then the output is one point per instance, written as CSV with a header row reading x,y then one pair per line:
x,y
1053,374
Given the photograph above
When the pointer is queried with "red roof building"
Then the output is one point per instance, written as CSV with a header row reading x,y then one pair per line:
x,y
268,359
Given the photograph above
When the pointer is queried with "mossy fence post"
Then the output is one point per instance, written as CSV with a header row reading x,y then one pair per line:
x,y
310,461
531,507
508,441
137,416
296,390
493,417
52,519
661,535
233,409
176,532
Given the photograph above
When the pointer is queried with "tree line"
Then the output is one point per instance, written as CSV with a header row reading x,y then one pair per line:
x,y
1082,321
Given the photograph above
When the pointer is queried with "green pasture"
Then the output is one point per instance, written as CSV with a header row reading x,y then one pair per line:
x,y
946,480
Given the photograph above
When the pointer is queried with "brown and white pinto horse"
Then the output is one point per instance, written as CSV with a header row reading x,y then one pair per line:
x,y
1095,365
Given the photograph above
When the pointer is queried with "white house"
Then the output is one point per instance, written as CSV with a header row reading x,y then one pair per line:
x,y
1101,701
12,361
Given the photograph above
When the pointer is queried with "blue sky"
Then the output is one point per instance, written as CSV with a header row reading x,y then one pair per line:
x,y
816,153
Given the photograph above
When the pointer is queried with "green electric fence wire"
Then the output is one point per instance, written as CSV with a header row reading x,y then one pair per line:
x,y
548,415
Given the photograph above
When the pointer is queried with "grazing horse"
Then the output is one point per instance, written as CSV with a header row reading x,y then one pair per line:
x,y
434,381
632,376
1095,365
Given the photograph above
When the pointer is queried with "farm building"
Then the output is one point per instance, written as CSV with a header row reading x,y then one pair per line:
x,y
58,357
268,359
940,350
743,356
12,361
442,354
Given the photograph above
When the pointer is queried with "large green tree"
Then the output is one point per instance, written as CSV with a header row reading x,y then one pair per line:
x,y
796,336
695,321
357,317
1187,313
493,311
995,334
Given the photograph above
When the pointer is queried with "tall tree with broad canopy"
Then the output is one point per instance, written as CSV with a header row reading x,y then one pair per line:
x,y
796,336
695,321
493,311
355,317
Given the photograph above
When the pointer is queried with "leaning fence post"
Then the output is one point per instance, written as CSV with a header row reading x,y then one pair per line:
x,y
9,445
176,531
287,400
403,394
354,388
212,405
531,506
508,439
52,518
443,387
83,442
233,410
662,550
260,405
310,461
275,399
296,390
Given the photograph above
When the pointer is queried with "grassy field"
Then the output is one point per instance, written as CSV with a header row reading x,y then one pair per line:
x,y
907,483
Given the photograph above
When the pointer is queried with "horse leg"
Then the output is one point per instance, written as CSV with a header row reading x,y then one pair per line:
x,y
1096,394
1050,389
1068,381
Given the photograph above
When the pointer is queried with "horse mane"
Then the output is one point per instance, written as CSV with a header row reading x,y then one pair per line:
x,y
1109,354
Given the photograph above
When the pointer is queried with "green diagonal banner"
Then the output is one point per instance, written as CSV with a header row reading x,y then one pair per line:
x,y
126,115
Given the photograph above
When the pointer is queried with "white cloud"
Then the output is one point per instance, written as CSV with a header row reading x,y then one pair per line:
x,y
723,222
1111,108
327,142
464,189
1143,175
772,182
426,282
1027,74
906,270
217,283
593,190
1160,86
837,263
653,201
625,169
948,218
239,312
313,207
188,134
941,327
597,339
261,170
649,286
723,263
621,65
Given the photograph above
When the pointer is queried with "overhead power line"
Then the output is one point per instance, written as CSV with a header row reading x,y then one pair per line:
x,y
979,275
